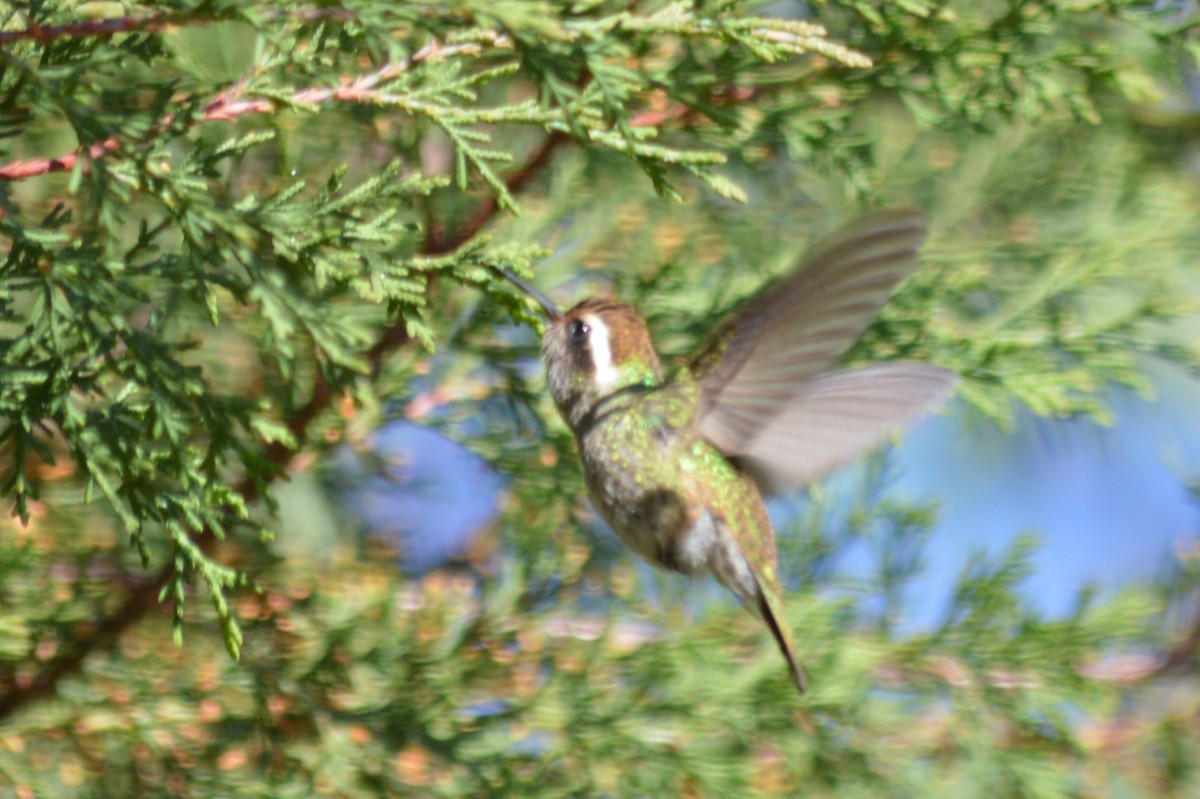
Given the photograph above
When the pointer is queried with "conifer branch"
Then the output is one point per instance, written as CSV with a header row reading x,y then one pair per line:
x,y
229,105
144,597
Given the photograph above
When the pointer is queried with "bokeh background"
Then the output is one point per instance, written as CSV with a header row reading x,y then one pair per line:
x,y
262,395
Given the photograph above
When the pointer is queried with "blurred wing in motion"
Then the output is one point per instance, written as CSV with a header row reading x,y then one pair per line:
x,y
766,394
837,417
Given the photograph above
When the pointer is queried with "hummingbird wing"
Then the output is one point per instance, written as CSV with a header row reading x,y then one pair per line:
x,y
838,416
763,374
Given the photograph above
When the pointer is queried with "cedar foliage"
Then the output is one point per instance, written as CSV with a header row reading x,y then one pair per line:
x,y
237,236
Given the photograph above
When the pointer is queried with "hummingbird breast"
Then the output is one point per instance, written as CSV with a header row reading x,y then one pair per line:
x,y
669,495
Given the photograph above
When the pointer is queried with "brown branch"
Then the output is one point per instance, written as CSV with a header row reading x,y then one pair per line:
x,y
91,27
438,242
1183,653
229,105
144,598
686,114
23,692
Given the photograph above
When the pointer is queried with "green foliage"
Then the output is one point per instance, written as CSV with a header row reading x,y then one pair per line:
x,y
238,235
354,683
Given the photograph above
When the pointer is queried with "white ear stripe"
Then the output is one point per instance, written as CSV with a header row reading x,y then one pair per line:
x,y
601,349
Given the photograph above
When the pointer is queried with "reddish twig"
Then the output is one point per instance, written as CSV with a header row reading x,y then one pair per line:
x,y
229,105
87,28
19,170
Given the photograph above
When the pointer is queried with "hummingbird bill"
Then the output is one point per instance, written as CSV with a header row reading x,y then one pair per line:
x,y
678,464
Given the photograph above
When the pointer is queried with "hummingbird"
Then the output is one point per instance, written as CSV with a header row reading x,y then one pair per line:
x,y
678,464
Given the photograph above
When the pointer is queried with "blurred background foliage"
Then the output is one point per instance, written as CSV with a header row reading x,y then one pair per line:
x,y
247,307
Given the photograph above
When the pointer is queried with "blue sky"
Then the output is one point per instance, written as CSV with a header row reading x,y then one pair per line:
x,y
1109,504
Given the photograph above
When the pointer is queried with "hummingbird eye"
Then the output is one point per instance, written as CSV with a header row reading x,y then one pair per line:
x,y
579,330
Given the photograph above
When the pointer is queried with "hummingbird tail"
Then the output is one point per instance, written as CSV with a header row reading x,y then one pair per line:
x,y
782,637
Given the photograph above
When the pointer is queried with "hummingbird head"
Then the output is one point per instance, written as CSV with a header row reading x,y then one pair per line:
x,y
593,350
